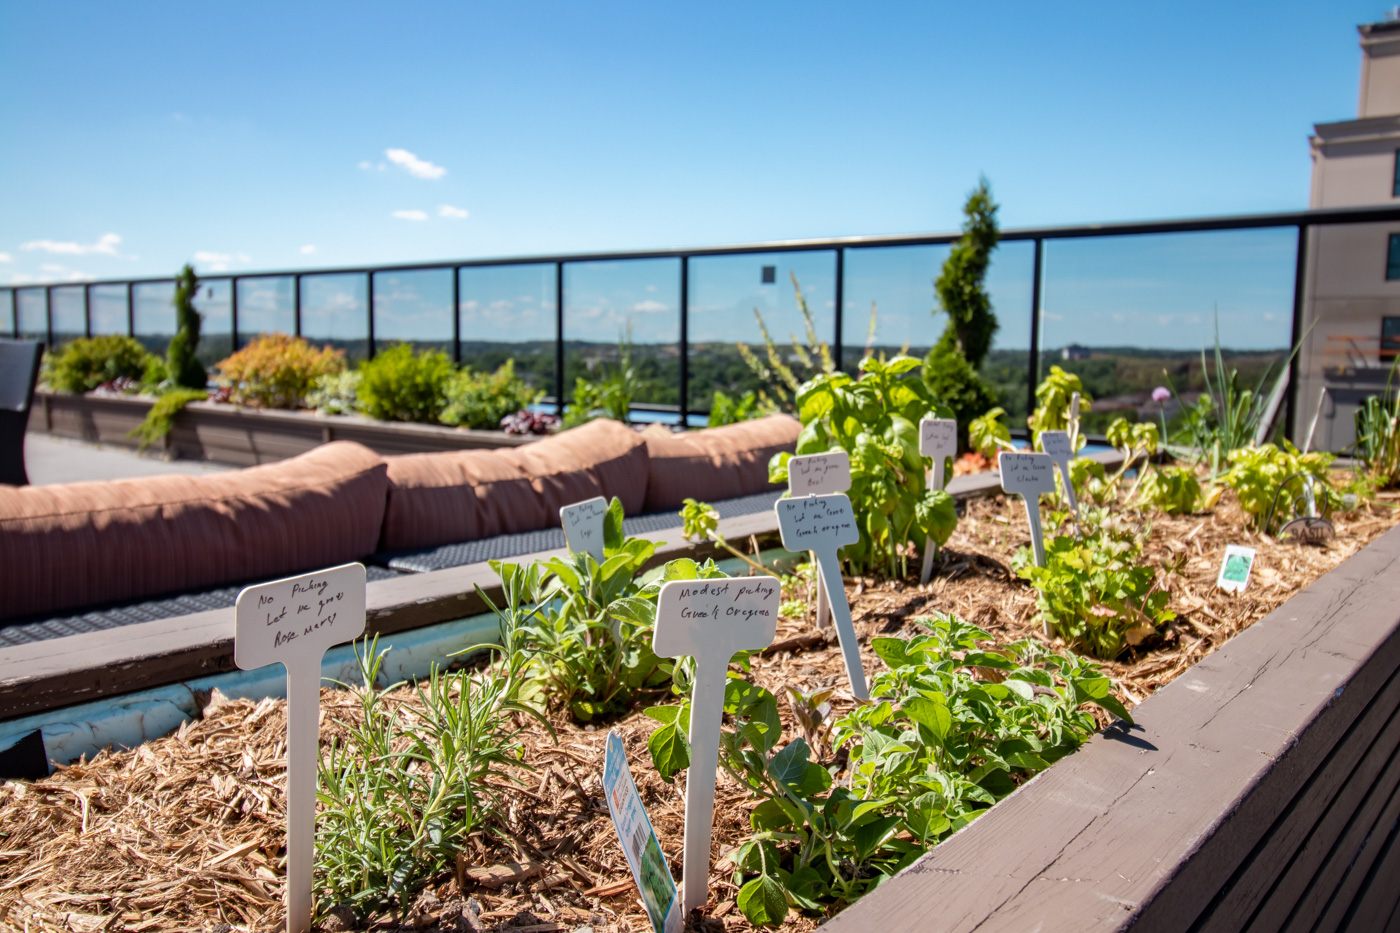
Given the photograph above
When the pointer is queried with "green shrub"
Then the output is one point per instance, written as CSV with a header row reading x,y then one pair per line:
x,y
1095,592
1257,473
876,421
88,362
608,396
276,371
180,361
1173,490
335,393
725,410
987,435
1052,398
481,400
398,385
159,420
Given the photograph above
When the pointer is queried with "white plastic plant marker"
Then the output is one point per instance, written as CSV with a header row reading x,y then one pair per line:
x,y
710,621
293,622
938,438
1074,416
638,838
823,525
583,526
820,475
1235,568
1057,445
1030,476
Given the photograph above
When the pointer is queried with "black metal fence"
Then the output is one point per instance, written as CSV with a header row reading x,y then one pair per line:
x,y
687,313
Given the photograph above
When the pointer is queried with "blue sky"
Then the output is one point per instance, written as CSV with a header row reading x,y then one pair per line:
x,y
271,136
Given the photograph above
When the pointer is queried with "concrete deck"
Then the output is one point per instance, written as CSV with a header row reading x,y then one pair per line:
x,y
50,460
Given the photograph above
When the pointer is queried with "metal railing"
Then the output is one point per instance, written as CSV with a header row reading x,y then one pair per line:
x,y
1301,221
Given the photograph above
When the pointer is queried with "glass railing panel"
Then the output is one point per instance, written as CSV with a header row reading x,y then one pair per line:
x,y
725,293
153,315
214,302
507,313
107,308
69,315
413,308
266,305
7,312
631,305
335,312
31,314
1131,314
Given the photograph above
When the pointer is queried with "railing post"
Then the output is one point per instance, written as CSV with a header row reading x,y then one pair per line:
x,y
233,311
838,343
48,313
1033,367
87,310
369,309
685,342
1300,281
130,309
296,304
559,338
457,315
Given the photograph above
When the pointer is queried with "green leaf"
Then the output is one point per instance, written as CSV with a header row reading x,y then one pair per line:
x,y
670,751
769,815
872,835
789,766
891,651
613,535
931,714
763,902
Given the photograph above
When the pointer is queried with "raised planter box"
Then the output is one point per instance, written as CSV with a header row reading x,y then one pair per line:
x,y
245,436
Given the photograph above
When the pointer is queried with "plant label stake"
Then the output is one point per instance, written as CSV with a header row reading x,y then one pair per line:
x,y
1074,418
938,438
823,525
819,475
710,621
293,622
583,526
638,838
1030,476
1057,445
1235,568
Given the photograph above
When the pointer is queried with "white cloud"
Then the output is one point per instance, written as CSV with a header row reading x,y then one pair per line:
x,y
51,267
456,213
207,256
415,166
308,249
410,215
649,305
6,257
105,245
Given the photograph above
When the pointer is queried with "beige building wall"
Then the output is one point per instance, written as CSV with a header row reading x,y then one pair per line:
x,y
1347,294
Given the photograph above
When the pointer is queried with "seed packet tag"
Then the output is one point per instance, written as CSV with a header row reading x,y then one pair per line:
x,y
583,526
819,474
1030,476
710,621
293,621
938,439
1235,568
1057,446
638,838
824,525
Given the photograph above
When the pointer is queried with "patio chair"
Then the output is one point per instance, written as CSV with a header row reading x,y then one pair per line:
x,y
19,370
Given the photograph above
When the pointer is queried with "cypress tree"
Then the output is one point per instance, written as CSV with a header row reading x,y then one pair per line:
x,y
183,367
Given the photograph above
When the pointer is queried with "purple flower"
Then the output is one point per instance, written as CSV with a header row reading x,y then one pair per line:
x,y
1161,394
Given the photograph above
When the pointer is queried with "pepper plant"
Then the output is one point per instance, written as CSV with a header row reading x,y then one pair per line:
x,y
876,421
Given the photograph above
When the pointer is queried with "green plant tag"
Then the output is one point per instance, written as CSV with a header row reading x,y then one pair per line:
x,y
638,838
1235,568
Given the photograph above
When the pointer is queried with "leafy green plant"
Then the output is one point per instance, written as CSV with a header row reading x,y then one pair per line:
x,y
399,385
1094,591
335,393
951,366
954,728
1256,475
481,400
986,434
1378,434
88,362
276,371
1052,399
583,629
407,783
701,520
876,421
611,394
1173,490
725,410
161,417
783,370
180,361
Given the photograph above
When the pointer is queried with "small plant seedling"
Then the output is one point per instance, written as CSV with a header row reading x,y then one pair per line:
x,y
293,622
823,525
1030,476
938,439
1057,446
820,475
583,526
710,621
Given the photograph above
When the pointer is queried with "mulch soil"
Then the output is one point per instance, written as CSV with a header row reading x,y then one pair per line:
x,y
185,833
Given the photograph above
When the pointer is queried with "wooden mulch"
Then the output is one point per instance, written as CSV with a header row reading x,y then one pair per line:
x,y
184,833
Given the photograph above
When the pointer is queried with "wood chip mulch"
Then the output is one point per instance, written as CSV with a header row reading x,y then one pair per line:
x,y
185,833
